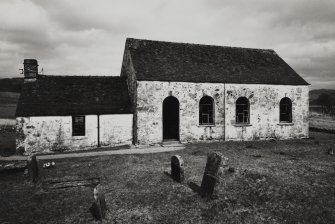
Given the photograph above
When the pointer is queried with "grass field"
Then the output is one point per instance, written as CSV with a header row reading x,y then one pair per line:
x,y
320,121
274,182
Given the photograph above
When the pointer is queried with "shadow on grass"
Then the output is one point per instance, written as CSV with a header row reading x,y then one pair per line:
x,y
195,187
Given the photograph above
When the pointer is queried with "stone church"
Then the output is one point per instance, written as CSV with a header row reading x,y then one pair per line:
x,y
166,91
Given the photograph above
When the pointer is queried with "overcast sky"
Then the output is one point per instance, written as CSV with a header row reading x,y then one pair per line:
x,y
87,37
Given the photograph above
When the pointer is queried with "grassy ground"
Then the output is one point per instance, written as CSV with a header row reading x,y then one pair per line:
x,y
274,182
321,121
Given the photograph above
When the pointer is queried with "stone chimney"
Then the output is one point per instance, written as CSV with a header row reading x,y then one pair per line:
x,y
30,70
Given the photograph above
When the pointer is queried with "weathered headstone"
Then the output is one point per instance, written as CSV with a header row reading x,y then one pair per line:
x,y
32,168
177,168
215,162
98,208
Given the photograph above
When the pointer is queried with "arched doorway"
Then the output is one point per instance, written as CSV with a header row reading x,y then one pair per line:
x,y
170,118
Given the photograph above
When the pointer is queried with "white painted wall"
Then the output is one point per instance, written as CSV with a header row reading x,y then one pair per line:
x,y
116,129
150,97
264,111
264,115
54,133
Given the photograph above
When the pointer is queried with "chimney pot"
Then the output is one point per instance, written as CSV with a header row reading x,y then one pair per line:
x,y
30,69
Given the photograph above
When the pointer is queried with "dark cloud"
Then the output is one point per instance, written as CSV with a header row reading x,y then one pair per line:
x,y
87,37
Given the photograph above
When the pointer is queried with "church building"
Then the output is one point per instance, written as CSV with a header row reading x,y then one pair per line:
x,y
166,92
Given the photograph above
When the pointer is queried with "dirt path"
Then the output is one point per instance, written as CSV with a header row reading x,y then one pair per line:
x,y
100,153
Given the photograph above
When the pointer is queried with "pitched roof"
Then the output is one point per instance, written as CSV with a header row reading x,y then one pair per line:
x,y
183,62
74,95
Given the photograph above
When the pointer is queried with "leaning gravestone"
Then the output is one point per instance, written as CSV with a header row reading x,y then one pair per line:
x,y
32,168
98,208
177,168
215,162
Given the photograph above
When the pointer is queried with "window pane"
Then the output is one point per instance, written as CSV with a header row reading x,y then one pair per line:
x,y
285,107
206,115
240,117
78,125
242,110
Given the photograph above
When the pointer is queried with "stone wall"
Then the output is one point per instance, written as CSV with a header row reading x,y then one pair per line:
x,y
264,111
150,96
54,133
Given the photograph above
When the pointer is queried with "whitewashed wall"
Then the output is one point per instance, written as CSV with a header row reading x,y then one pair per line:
x,y
54,133
150,96
116,129
264,112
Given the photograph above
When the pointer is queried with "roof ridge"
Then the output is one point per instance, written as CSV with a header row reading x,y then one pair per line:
x,y
196,44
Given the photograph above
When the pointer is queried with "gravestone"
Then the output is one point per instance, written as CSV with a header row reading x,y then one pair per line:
x,y
32,168
98,208
177,168
215,163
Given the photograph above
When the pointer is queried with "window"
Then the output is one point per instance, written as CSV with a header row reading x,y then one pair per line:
x,y
206,111
285,110
242,110
78,125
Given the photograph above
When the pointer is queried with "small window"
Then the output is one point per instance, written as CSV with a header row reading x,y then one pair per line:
x,y
206,111
285,110
78,125
242,110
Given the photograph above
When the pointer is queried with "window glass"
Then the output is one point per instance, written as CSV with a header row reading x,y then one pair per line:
x,y
285,110
78,125
242,110
206,110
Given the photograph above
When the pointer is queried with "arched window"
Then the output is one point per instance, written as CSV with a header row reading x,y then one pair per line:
x,y
285,110
206,110
242,110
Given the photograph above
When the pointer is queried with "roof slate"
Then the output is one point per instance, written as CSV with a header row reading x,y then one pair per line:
x,y
74,95
183,62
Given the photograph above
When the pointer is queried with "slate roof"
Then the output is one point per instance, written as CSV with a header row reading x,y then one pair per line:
x,y
74,95
183,62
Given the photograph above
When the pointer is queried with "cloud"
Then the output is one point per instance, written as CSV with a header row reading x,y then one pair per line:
x,y
87,37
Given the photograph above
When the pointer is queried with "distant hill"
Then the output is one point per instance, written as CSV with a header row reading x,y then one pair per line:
x,y
11,85
315,93
9,95
8,102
